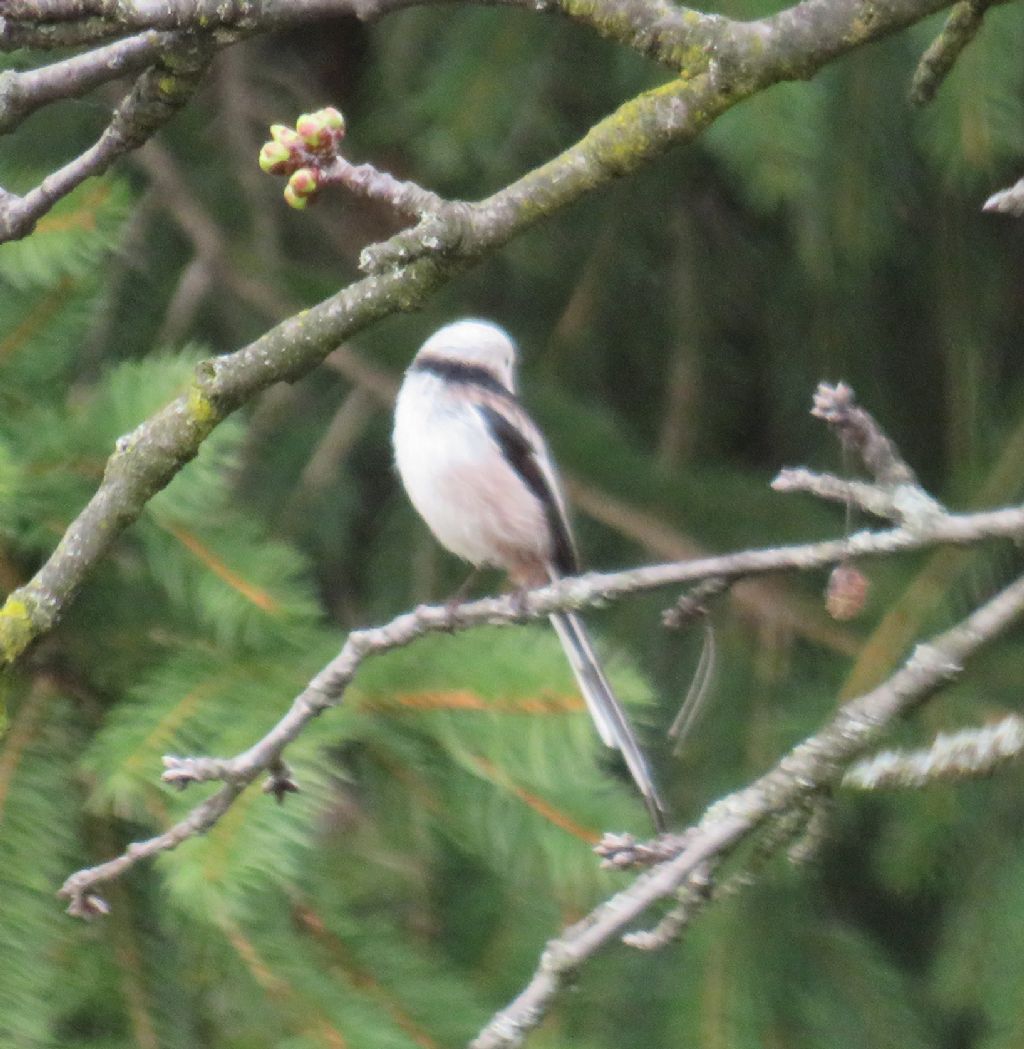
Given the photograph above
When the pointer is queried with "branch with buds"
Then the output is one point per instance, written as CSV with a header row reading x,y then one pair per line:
x,y
724,62
310,155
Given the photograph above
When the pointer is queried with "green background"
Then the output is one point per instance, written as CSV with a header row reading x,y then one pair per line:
x,y
673,327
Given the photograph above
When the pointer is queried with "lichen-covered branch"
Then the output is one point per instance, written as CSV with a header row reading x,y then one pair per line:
x,y
673,35
865,496
51,36
22,92
750,56
736,58
963,23
157,95
894,492
860,433
968,754
638,131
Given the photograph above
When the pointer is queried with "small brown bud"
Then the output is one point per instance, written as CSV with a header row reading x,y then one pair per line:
x,y
846,593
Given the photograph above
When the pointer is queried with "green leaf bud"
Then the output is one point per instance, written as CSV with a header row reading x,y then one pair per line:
x,y
274,158
293,200
304,182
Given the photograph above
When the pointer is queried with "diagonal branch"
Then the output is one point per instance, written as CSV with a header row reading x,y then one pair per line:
x,y
667,33
876,500
794,43
157,95
968,754
22,92
328,688
960,29
50,36
812,766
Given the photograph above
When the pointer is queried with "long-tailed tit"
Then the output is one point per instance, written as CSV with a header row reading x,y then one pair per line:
x,y
479,473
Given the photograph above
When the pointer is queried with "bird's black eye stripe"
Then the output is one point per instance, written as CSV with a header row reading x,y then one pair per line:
x,y
522,457
461,372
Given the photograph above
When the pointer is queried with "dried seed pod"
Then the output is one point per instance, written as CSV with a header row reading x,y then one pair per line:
x,y
847,592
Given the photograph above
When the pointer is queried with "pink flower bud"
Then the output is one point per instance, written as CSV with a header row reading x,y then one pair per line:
x,y
274,158
293,200
311,129
332,120
303,182
285,136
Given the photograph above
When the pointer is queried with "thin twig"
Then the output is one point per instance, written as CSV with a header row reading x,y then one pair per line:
x,y
969,754
881,502
692,897
701,889
860,433
762,600
328,688
365,180
693,604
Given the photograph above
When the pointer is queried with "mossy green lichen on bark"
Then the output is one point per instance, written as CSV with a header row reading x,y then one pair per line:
x,y
202,410
646,125
678,37
610,20
17,629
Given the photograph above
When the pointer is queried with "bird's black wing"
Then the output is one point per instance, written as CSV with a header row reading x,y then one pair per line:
x,y
522,456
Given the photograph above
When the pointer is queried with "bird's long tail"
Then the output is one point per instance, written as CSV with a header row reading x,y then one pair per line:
x,y
612,724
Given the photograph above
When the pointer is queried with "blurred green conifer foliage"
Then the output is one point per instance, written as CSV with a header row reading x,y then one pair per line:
x,y
673,328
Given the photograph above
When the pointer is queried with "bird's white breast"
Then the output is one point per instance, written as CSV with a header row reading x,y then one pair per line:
x,y
458,480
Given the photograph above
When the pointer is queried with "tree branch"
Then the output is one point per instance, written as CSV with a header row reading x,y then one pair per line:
x,y
669,34
328,688
874,500
157,95
969,754
859,432
793,43
960,29
810,767
50,36
23,92
721,61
